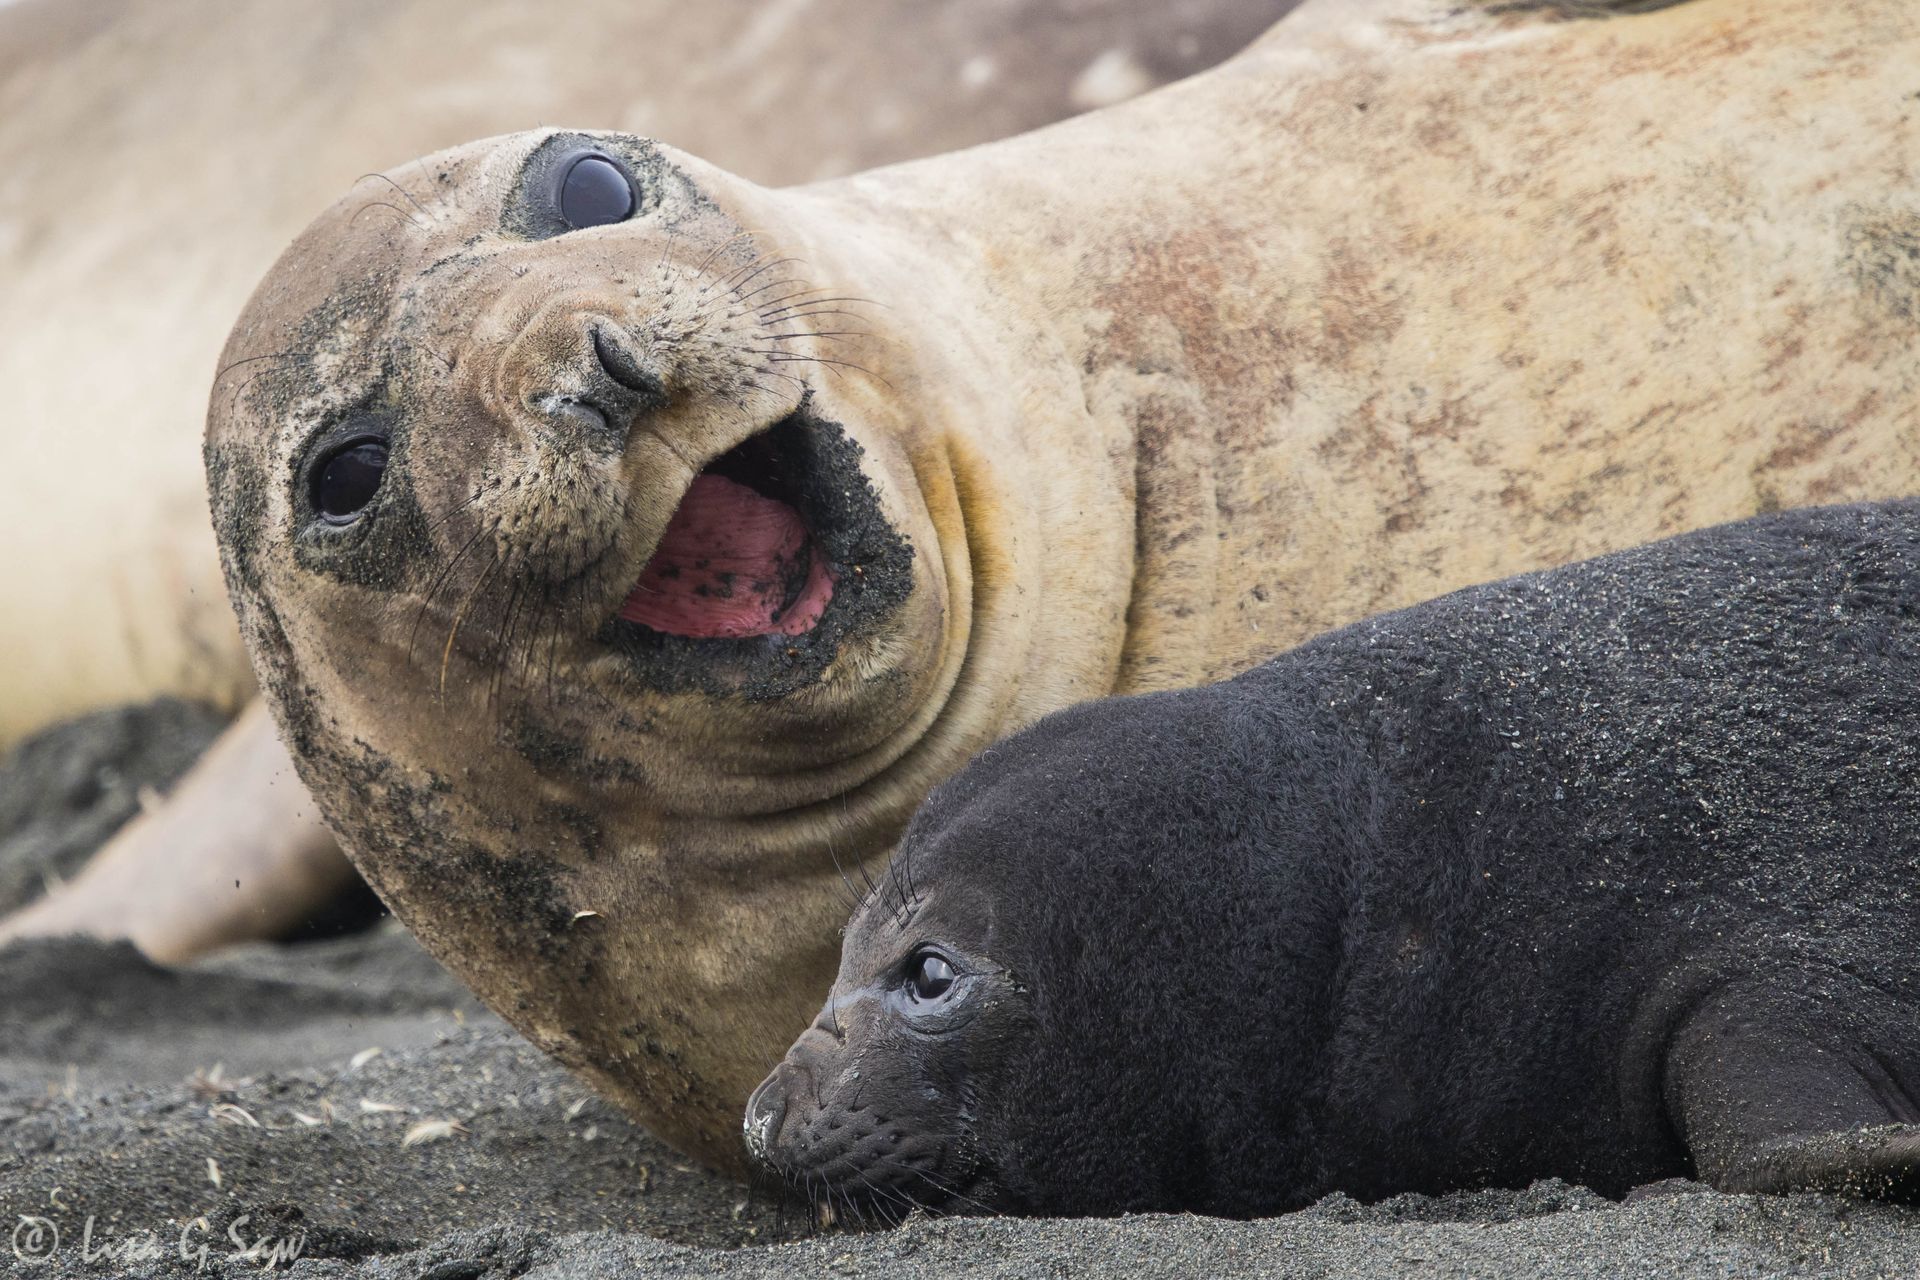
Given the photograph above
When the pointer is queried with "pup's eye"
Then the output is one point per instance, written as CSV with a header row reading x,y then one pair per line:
x,y
595,192
931,977
346,479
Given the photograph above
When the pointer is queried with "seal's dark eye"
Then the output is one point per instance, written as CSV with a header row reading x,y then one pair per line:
x,y
931,977
346,479
594,193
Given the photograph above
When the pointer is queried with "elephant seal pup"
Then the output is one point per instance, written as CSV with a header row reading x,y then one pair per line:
x,y
1604,873
626,549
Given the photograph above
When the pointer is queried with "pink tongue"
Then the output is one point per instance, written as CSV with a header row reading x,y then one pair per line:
x,y
729,564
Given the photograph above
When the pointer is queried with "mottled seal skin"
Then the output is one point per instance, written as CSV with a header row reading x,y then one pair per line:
x,y
1603,873
1409,295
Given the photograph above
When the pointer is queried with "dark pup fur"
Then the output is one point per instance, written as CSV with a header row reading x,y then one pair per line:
x,y
1604,873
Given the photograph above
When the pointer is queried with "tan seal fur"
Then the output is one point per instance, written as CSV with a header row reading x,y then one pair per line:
x,y
1407,296
129,240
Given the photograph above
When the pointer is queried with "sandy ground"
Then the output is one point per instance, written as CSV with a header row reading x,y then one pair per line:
x,y
347,1100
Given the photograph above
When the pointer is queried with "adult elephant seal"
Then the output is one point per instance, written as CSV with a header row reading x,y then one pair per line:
x,y
1602,873
120,598
626,549
113,583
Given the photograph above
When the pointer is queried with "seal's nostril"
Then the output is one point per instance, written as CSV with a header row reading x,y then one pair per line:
x,y
765,1109
623,366
579,414
577,420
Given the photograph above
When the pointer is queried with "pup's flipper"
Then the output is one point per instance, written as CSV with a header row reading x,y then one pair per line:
x,y
1810,1088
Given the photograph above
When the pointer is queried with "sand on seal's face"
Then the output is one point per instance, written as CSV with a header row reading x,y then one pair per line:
x,y
1399,299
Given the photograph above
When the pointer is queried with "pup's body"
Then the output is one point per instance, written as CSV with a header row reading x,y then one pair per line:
x,y
1603,873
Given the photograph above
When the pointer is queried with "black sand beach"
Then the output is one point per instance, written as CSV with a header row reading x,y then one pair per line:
x,y
346,1100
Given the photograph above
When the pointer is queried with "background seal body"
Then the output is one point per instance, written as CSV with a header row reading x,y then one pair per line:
x,y
1401,298
1602,873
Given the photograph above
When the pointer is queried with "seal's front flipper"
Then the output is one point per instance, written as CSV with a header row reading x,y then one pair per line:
x,y
1812,1088
1881,1163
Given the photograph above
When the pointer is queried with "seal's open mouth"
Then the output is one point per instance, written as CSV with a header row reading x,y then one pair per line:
x,y
777,552
734,561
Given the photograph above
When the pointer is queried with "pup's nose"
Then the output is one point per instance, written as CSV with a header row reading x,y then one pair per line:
x,y
765,1109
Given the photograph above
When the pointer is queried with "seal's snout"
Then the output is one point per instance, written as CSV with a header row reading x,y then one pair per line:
x,y
596,388
802,1118
863,1113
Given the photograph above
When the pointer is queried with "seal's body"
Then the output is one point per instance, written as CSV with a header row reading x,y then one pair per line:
x,y
627,549
1604,873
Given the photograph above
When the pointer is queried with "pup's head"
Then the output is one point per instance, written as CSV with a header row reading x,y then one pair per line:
x,y
1054,1001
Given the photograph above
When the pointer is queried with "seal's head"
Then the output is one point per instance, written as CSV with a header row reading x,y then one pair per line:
x,y
554,409
890,1099
583,542
1027,1013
